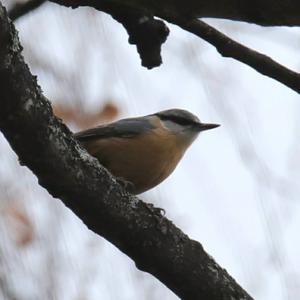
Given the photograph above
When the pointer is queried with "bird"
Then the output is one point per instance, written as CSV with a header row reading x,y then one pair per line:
x,y
143,151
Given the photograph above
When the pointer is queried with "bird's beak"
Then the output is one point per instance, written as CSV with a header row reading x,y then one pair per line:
x,y
206,126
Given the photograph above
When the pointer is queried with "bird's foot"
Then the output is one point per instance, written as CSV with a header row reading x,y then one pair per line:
x,y
157,211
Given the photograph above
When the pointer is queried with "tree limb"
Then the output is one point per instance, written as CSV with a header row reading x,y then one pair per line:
x,y
261,12
148,34
226,46
230,48
144,31
45,145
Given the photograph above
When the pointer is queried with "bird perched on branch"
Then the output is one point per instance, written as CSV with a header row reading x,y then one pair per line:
x,y
144,150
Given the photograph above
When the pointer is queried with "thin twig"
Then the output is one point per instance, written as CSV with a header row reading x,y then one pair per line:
x,y
230,48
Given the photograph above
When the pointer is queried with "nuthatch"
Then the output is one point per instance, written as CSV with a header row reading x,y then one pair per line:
x,y
145,150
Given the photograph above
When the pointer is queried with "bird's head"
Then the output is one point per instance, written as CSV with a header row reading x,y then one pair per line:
x,y
183,123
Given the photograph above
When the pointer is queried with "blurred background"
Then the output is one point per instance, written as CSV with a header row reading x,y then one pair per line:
x,y
236,190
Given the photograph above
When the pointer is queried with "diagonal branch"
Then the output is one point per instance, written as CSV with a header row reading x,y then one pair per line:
x,y
230,48
45,145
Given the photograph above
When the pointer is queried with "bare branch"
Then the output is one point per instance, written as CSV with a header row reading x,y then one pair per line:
x,y
146,32
261,12
230,48
226,46
45,145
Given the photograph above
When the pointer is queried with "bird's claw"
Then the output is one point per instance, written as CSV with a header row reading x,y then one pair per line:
x,y
157,211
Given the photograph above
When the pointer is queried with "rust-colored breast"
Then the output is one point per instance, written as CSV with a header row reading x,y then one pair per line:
x,y
144,160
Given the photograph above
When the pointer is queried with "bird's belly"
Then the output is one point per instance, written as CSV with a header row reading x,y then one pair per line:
x,y
144,166
143,171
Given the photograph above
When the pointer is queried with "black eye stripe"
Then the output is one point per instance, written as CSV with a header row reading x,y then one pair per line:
x,y
178,120
178,116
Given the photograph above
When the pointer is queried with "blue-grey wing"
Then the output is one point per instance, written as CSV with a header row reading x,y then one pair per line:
x,y
125,128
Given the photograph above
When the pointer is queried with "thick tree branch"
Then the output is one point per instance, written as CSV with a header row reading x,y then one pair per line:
x,y
46,146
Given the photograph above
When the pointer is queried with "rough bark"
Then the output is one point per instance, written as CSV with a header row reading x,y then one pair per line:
x,y
45,145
